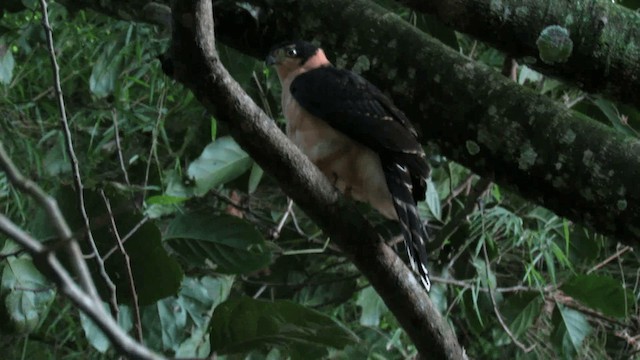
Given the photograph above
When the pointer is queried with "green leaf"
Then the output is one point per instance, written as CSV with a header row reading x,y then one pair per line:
x,y
233,244
600,292
7,63
164,323
433,200
165,200
27,294
220,162
180,323
372,307
95,336
330,288
104,74
570,329
199,298
149,260
243,324
255,177
528,74
610,110
522,310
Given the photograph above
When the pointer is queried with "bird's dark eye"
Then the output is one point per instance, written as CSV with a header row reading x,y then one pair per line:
x,y
292,52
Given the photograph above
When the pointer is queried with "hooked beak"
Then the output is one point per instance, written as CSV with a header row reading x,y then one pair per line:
x,y
270,60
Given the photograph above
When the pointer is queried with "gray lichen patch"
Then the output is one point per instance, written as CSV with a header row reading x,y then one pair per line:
x,y
621,204
554,44
472,147
568,137
362,64
587,193
522,11
587,158
527,157
559,183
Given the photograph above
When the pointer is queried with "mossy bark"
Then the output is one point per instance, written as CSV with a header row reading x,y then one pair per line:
x,y
606,37
577,168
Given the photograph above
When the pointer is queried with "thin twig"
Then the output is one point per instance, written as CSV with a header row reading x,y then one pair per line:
x,y
13,253
119,147
487,268
67,133
84,301
458,190
127,259
504,325
468,284
450,227
154,144
53,212
128,236
275,233
617,254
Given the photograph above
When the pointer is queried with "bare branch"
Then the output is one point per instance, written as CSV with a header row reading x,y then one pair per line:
x,y
47,261
116,131
615,256
193,61
57,220
127,259
69,145
504,325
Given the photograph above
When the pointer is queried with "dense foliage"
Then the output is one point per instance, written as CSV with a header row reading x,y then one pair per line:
x,y
220,260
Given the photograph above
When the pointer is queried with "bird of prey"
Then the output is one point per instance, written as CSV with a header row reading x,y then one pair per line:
x,y
355,135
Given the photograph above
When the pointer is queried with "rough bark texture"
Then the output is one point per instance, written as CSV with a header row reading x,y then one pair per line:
x,y
605,36
193,61
577,168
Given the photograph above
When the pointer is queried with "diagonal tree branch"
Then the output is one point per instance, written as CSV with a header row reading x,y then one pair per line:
x,y
46,259
193,60
604,36
575,167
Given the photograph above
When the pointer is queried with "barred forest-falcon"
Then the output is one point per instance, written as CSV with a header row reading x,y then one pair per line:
x,y
356,136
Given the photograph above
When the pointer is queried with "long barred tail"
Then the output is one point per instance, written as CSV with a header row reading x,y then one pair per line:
x,y
415,235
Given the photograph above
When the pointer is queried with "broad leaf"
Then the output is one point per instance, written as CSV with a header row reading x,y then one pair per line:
x,y
221,161
255,177
328,289
180,323
242,324
7,63
200,298
156,275
27,294
522,310
96,337
433,200
232,244
570,329
372,307
600,292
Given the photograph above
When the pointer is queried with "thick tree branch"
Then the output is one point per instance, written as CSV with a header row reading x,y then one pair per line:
x,y
193,60
605,36
578,168
575,167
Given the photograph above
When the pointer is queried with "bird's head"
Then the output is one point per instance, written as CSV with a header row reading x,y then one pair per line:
x,y
295,56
